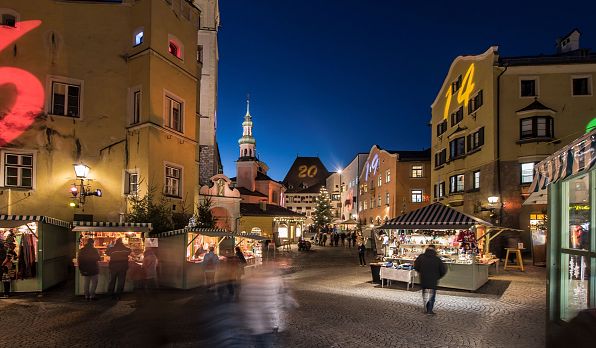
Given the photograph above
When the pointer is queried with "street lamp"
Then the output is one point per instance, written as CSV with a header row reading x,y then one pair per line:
x,y
493,199
81,189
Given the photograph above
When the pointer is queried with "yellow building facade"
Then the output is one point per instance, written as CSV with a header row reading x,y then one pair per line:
x,y
495,117
119,96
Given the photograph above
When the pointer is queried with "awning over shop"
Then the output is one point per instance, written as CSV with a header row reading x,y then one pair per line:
x,y
210,232
9,221
575,158
436,216
104,226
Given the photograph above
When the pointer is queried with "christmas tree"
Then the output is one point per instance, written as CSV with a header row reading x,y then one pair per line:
x,y
322,213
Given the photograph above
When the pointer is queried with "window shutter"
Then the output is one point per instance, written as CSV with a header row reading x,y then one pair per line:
x,y
469,142
481,137
126,183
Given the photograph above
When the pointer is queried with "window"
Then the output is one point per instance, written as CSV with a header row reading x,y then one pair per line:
x,y
581,86
417,171
442,127
9,20
456,183
365,207
173,181
476,102
138,37
66,99
174,49
131,182
136,107
387,198
476,182
527,88
536,127
200,53
457,148
365,188
527,173
388,175
476,140
456,85
442,189
379,200
457,116
416,196
174,114
440,157
372,202
18,170
379,181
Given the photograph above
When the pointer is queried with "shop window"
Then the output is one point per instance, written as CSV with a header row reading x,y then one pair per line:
x,y
198,246
8,20
173,180
457,148
283,231
441,127
174,111
18,170
536,127
581,86
65,99
528,87
475,140
416,196
388,175
456,183
457,116
527,172
417,171
579,213
476,182
131,182
476,102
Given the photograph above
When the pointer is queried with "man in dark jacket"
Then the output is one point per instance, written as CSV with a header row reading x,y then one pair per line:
x,y
361,252
118,267
430,268
88,266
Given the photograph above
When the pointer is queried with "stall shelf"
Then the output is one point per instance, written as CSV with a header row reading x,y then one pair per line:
x,y
105,234
50,244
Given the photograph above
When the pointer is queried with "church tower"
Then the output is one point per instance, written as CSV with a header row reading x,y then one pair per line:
x,y
247,165
247,142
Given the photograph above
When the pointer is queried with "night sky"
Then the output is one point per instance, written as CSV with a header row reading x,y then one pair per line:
x,y
333,77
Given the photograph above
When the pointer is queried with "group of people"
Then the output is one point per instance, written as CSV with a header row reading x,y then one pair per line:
x,y
88,262
335,238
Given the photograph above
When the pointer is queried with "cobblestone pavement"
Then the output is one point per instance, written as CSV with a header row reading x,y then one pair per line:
x,y
339,307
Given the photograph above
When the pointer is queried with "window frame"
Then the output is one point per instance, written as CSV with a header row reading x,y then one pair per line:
x,y
476,180
172,39
180,180
167,117
135,34
441,189
457,116
3,168
388,176
454,187
590,87
476,102
417,171
521,173
126,184
387,198
550,128
51,81
416,195
453,156
536,80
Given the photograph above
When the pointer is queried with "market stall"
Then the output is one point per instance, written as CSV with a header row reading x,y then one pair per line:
x,y
43,246
104,235
251,246
455,236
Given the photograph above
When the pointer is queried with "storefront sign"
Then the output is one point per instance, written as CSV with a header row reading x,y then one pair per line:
x,y
25,103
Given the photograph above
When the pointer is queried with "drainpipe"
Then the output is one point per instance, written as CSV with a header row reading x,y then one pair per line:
x,y
499,144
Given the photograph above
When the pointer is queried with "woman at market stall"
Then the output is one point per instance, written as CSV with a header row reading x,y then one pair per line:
x,y
89,267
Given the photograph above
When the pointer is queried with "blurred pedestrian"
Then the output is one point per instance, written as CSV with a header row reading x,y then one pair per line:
x,y
343,239
210,262
324,239
88,261
361,252
431,269
118,267
150,270
9,269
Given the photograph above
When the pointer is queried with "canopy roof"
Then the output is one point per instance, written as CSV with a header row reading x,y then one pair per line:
x,y
210,232
106,226
436,216
18,220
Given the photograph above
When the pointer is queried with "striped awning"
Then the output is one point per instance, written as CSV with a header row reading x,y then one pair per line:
x,y
575,158
98,226
436,216
15,219
210,232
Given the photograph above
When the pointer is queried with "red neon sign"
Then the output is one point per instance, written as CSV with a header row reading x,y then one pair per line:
x,y
26,102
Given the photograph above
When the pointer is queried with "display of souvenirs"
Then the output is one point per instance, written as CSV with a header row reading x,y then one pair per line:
x,y
103,240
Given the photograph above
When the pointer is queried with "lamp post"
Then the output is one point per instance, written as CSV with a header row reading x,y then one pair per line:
x,y
79,188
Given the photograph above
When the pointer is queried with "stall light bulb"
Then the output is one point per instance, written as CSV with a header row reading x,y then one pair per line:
x,y
72,204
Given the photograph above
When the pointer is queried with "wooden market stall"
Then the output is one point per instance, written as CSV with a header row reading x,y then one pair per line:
x,y
455,236
104,235
43,246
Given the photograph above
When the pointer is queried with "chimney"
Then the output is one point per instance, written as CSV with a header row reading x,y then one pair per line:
x,y
263,205
569,42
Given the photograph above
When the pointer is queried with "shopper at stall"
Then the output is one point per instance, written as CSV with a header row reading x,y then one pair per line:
x,y
430,268
210,262
89,267
361,252
118,267
150,270
9,269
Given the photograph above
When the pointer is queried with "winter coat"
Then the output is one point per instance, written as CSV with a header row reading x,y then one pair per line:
x,y
430,268
118,257
87,260
362,249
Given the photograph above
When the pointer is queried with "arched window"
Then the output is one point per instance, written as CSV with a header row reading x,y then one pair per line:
x,y
8,17
245,152
282,231
175,47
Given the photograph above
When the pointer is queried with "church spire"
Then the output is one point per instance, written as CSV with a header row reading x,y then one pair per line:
x,y
247,142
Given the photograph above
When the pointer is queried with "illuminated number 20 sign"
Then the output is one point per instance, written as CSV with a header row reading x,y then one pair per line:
x,y
22,107
304,171
464,93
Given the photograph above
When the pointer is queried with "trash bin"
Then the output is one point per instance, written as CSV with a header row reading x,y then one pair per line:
x,y
375,271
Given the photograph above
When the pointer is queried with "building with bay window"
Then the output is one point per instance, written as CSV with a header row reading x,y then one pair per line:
x,y
495,117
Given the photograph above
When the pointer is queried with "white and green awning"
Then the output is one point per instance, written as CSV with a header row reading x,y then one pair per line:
x,y
17,220
107,226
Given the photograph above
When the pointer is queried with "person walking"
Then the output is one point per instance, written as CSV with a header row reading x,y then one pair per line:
x,y
361,252
88,261
431,269
210,262
118,254
9,269
343,239
150,270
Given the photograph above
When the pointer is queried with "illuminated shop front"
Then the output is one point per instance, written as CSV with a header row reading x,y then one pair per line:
x,y
570,179
104,235
43,246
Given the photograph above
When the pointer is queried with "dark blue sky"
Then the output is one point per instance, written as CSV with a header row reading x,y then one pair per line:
x,y
333,77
